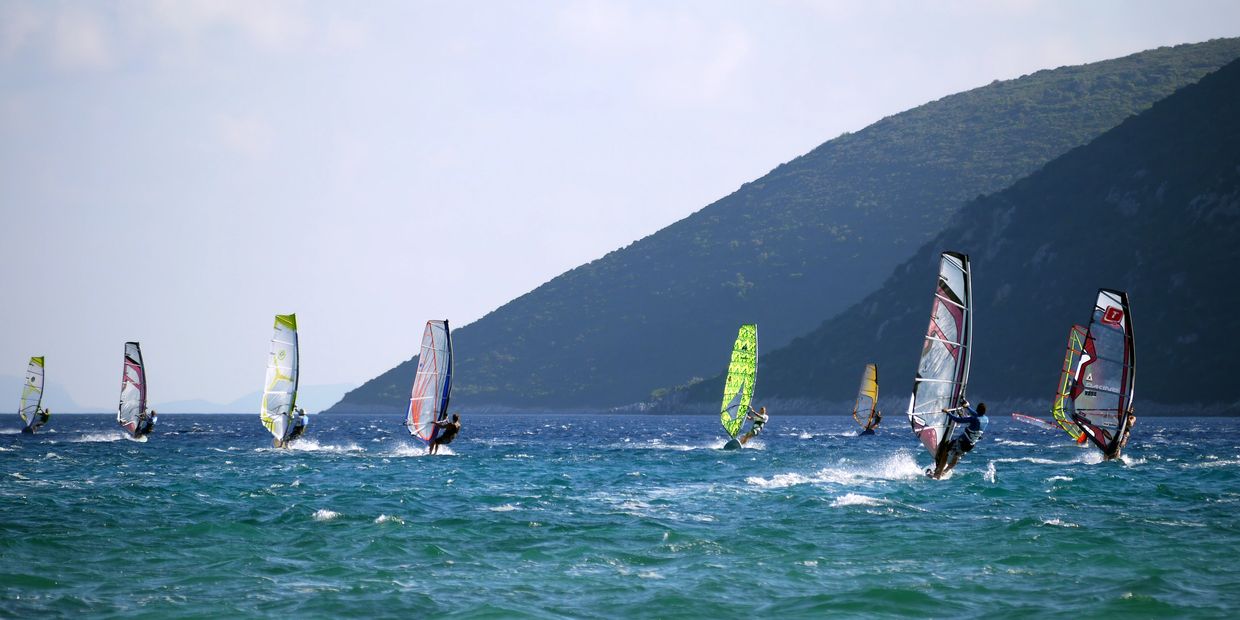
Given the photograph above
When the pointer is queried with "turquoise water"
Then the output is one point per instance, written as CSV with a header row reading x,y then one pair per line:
x,y
613,516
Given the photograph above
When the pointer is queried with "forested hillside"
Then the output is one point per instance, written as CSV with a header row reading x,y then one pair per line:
x,y
798,245
1151,207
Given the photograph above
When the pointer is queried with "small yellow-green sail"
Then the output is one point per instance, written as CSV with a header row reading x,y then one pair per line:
x,y
1076,344
742,373
280,386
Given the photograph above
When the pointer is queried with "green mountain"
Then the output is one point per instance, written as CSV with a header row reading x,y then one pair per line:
x,y
1151,207
801,243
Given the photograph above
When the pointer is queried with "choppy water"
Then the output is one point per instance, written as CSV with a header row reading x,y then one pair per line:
x,y
613,516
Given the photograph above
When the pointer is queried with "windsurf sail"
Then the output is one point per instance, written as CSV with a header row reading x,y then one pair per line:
x,y
1076,344
32,393
133,388
1102,390
280,388
742,374
867,396
432,383
943,372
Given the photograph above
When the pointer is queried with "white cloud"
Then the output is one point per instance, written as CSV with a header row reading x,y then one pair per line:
x,y
80,40
246,135
18,25
272,25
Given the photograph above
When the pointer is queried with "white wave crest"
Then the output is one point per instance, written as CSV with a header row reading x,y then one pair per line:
x,y
898,466
96,437
389,519
1057,522
990,474
1013,442
310,445
1059,479
404,450
779,481
504,508
856,499
324,514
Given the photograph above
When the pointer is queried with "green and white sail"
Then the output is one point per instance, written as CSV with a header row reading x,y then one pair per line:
x,y
742,374
280,388
32,394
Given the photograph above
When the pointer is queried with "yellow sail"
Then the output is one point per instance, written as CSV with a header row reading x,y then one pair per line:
x,y
867,396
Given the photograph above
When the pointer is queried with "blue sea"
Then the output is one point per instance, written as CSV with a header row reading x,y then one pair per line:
x,y
613,516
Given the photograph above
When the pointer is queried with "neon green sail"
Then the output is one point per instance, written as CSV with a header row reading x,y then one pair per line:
x,y
1076,344
280,388
32,393
742,373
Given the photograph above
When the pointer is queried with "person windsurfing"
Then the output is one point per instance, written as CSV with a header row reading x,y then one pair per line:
x,y
448,431
299,426
975,425
759,419
41,418
874,422
146,424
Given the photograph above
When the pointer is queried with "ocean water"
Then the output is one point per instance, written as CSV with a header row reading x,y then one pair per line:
x,y
613,516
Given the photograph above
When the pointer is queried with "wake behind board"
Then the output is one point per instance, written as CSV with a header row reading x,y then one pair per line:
x,y
735,444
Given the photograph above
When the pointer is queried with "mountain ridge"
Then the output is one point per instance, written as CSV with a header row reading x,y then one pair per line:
x,y
651,314
1151,207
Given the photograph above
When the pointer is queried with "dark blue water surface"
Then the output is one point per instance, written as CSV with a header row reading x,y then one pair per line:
x,y
613,516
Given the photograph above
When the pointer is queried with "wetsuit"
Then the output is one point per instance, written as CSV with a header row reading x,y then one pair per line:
x,y
298,429
759,420
448,433
975,427
144,426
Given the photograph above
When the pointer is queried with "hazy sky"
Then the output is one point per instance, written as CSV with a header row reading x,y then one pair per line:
x,y
179,172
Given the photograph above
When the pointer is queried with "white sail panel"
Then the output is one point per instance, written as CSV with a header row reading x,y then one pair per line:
x,y
280,387
32,392
432,383
943,371
133,388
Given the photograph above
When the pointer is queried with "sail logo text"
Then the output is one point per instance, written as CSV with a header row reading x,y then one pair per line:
x,y
1112,316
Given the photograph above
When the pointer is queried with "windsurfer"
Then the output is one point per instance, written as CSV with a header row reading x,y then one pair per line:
x,y
146,424
975,425
299,426
44,415
874,422
447,434
759,419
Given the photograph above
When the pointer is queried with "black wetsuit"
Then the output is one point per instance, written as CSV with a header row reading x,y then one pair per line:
x,y
448,433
